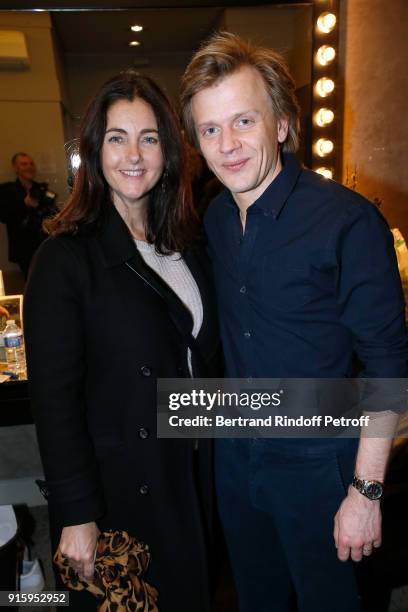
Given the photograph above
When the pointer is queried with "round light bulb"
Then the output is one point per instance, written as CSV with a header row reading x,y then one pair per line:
x,y
324,87
325,55
324,146
326,22
134,43
136,28
75,161
324,116
326,172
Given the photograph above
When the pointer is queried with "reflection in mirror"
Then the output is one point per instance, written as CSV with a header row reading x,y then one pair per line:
x,y
70,54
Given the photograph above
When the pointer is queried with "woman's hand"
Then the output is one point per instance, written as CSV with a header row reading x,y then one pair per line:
x,y
78,543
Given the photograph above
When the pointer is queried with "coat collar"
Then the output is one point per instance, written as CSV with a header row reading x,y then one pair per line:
x,y
118,248
115,239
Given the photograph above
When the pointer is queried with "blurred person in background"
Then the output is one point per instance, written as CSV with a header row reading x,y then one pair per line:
x,y
24,204
119,296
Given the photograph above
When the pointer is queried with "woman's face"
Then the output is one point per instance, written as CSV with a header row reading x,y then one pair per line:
x,y
131,157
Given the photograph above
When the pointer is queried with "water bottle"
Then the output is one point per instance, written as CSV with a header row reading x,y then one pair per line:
x,y
14,347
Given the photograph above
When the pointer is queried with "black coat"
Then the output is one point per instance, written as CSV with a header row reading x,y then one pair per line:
x,y
98,336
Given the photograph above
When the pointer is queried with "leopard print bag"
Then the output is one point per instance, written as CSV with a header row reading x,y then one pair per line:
x,y
120,563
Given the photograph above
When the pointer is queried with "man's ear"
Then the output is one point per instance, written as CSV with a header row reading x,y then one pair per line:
x,y
283,126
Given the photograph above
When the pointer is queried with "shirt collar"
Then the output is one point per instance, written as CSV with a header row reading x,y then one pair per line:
x,y
277,193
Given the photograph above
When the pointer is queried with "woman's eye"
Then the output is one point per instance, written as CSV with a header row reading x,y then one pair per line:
x,y
115,139
150,140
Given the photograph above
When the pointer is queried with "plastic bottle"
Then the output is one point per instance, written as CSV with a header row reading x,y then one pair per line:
x,y
14,347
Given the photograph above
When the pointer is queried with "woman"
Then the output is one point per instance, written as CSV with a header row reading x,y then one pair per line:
x,y
110,307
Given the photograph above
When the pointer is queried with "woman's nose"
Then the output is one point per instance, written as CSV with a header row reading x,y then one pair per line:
x,y
134,153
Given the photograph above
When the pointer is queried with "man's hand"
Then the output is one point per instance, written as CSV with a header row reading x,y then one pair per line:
x,y
78,543
357,526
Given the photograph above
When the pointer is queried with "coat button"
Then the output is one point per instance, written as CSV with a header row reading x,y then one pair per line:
x,y
143,489
145,371
143,433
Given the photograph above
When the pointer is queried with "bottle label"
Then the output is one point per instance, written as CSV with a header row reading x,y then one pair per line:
x,y
13,341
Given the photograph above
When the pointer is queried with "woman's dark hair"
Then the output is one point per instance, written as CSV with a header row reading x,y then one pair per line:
x,y
170,218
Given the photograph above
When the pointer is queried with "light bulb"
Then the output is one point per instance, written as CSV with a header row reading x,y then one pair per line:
x,y
325,55
75,161
326,22
324,87
326,172
136,28
134,43
324,146
323,117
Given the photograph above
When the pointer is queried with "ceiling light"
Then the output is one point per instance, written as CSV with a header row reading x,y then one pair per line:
x,y
326,172
325,55
326,22
324,146
136,28
134,43
323,117
324,86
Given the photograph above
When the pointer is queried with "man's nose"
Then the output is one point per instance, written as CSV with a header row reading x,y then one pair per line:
x,y
228,141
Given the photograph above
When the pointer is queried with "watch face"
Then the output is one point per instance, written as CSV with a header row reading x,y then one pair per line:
x,y
374,490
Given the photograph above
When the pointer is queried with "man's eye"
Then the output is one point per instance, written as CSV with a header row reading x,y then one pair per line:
x,y
245,122
210,131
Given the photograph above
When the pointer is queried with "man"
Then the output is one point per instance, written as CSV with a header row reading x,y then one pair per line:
x,y
306,277
24,204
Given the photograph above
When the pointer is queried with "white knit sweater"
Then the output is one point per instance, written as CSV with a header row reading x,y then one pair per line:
x,y
175,272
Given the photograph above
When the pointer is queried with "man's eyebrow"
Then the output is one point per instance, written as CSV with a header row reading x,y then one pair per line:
x,y
235,116
122,131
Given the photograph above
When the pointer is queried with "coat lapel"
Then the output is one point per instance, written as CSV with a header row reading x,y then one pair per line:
x,y
119,248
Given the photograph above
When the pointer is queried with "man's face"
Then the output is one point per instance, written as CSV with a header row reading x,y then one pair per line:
x,y
239,134
24,167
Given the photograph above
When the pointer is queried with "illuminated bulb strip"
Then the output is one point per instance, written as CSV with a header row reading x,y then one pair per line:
x,y
324,147
326,172
136,28
323,117
324,87
325,55
326,22
134,43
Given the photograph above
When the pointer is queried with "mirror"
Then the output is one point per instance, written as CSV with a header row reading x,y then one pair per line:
x,y
71,53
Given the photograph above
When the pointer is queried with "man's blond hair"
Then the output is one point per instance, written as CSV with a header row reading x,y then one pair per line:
x,y
223,54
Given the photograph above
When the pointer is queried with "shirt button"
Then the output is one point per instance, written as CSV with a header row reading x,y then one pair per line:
x,y
247,334
145,371
243,289
143,489
143,433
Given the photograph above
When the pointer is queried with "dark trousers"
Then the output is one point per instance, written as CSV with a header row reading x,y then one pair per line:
x,y
277,501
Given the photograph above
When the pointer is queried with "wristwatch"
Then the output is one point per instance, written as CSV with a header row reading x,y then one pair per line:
x,y
372,489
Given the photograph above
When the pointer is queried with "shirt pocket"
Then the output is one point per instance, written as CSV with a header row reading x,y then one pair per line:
x,y
290,284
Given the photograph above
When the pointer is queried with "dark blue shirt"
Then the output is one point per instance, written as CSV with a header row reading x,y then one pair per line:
x,y
312,280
